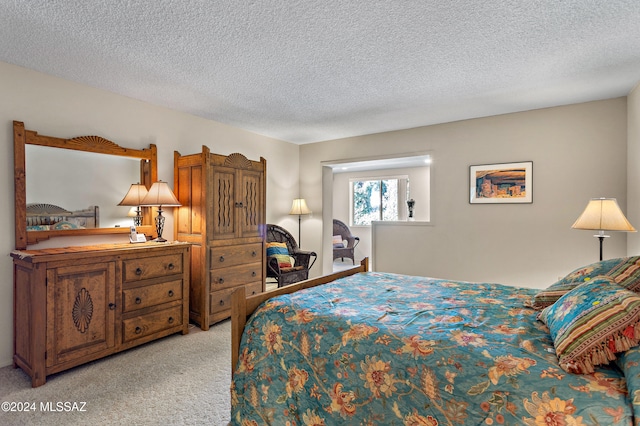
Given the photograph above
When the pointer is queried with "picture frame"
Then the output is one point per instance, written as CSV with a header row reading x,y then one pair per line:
x,y
501,183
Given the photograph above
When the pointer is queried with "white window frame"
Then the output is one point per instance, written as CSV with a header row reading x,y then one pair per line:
x,y
403,195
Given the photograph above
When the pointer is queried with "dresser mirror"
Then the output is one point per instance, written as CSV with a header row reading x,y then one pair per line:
x,y
69,187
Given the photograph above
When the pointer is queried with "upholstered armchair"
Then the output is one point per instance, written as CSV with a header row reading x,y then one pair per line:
x,y
277,266
340,250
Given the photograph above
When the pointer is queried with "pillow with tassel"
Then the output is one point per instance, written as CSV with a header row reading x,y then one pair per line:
x,y
593,322
625,271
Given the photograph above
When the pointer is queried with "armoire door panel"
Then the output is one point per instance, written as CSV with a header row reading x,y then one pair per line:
x,y
224,206
183,193
251,213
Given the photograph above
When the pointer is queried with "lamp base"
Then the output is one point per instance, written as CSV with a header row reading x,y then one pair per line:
x,y
160,226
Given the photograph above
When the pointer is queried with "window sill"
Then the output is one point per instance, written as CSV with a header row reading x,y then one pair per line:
x,y
401,223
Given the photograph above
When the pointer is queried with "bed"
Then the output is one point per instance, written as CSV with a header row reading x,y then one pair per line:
x,y
371,348
50,217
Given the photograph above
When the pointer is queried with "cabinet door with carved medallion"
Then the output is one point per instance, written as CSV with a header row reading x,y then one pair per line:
x,y
81,317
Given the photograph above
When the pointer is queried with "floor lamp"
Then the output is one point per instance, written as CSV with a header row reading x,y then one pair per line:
x,y
603,214
299,207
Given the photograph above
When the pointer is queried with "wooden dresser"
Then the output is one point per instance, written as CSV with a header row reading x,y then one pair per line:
x,y
77,304
223,216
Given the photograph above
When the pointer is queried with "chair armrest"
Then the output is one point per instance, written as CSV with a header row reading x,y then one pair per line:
x,y
305,257
352,241
273,266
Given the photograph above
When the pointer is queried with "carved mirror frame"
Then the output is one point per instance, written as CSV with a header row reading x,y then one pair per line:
x,y
96,144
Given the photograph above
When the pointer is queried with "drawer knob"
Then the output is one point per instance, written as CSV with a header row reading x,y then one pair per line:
x,y
171,266
222,303
138,330
138,301
138,271
253,292
112,306
220,280
170,293
254,254
253,274
221,259
170,320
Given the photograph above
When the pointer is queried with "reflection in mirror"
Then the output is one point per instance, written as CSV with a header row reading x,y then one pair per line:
x,y
84,177
76,180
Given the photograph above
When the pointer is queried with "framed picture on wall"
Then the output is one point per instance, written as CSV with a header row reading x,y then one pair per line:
x,y
501,183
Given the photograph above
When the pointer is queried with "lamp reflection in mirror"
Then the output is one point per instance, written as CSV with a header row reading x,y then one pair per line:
x,y
603,214
133,212
299,207
134,197
160,195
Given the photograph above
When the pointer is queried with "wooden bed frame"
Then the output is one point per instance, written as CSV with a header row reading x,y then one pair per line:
x,y
242,307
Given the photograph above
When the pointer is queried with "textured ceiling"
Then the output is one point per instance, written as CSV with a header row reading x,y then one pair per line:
x,y
309,70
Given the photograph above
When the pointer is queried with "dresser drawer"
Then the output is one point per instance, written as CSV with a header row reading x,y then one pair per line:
x,y
222,257
144,325
235,276
221,300
253,289
151,267
151,295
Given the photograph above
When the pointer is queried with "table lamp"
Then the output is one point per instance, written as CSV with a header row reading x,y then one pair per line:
x,y
160,195
136,193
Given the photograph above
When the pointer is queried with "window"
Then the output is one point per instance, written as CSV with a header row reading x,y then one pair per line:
x,y
378,199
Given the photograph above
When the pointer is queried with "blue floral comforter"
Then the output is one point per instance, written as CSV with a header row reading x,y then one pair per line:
x,y
388,349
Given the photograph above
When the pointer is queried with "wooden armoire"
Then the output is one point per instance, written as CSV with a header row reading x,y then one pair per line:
x,y
223,215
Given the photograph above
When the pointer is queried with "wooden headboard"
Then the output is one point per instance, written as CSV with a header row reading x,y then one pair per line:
x,y
49,216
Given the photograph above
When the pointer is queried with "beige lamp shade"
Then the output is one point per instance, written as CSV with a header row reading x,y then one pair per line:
x,y
134,197
299,207
603,214
160,195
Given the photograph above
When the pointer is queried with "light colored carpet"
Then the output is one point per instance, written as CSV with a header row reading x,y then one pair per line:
x,y
178,380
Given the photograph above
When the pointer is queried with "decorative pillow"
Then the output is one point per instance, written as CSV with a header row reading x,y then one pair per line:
x,y
624,270
281,253
338,242
591,323
38,228
65,225
629,364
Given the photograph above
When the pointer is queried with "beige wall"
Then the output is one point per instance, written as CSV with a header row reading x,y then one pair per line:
x,y
578,152
60,108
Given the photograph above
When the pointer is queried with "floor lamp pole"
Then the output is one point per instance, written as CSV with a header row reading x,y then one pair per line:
x,y
300,226
601,238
